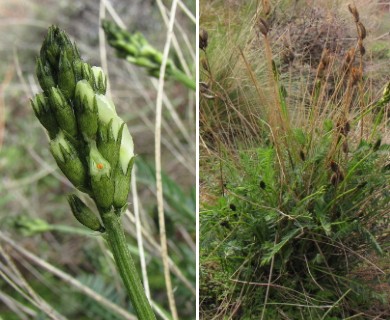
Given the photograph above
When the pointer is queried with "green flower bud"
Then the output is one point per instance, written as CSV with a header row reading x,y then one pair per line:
x,y
100,80
143,62
63,112
83,71
114,32
44,114
50,49
158,57
86,109
139,39
100,172
55,44
69,161
77,69
123,46
87,74
122,184
84,214
76,53
49,39
107,145
66,78
149,52
62,39
44,74
72,52
67,46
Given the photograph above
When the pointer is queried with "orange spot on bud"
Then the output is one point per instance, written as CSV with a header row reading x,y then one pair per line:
x,y
100,166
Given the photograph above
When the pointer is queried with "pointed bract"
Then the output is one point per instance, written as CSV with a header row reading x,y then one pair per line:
x,y
100,80
122,184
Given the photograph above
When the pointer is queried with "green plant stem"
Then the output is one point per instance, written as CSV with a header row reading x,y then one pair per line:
x,y
183,78
117,241
71,230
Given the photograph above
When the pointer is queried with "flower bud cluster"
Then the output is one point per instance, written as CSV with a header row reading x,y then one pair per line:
x,y
89,141
136,49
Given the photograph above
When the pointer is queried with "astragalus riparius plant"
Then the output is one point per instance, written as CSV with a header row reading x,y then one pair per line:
x,y
304,201
91,145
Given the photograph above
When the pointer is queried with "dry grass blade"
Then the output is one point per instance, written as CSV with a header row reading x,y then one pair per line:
x,y
160,199
20,310
12,276
155,249
67,278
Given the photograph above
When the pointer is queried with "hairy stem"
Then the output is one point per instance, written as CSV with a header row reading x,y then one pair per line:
x,y
117,241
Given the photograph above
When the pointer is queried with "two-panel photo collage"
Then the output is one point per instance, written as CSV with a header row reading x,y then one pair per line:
x,y
195,160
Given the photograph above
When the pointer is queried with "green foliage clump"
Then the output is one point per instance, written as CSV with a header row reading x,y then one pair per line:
x,y
304,235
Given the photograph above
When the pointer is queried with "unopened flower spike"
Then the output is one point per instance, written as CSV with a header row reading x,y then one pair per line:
x,y
135,49
91,145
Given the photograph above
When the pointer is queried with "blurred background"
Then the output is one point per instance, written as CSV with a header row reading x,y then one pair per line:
x,y
69,273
